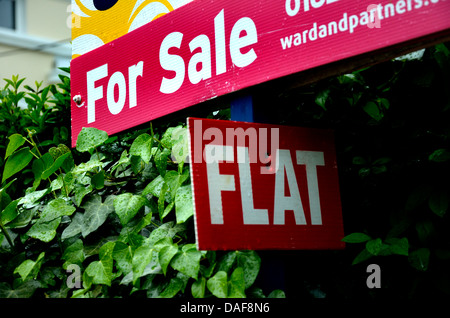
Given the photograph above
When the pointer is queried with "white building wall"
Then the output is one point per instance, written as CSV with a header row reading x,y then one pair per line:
x,y
39,44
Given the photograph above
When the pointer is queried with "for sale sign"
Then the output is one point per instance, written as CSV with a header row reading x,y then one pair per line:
x,y
208,48
260,186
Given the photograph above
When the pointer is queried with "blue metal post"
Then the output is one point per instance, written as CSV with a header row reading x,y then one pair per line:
x,y
242,109
272,272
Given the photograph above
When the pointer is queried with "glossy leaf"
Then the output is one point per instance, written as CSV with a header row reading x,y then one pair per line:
x,y
166,254
25,290
30,268
101,271
419,259
55,166
218,285
16,162
74,254
250,263
356,238
184,205
96,213
123,255
439,202
55,209
90,138
142,147
15,141
374,246
127,205
187,261
44,231
236,284
198,288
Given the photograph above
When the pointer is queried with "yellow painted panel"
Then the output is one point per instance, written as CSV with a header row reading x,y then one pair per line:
x,y
95,23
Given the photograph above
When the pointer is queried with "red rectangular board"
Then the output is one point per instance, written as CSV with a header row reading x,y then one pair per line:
x,y
245,201
209,48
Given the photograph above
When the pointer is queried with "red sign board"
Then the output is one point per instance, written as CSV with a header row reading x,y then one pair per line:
x,y
261,186
208,48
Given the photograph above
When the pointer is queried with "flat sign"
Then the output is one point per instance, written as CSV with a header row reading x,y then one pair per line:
x,y
209,48
261,186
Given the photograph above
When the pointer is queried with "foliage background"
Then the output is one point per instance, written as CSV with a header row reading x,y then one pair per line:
x,y
120,207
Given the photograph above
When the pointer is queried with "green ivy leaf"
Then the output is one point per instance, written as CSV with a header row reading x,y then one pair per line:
x,y
90,138
166,139
142,147
440,155
168,229
44,231
96,213
218,285
374,246
175,285
227,261
55,166
40,165
101,271
123,255
30,199
439,202
277,293
75,227
250,263
166,254
10,212
161,161
161,201
29,268
55,209
198,288
16,162
124,160
80,192
419,259
236,285
398,246
187,261
362,256
180,148
184,206
373,111
87,166
322,97
144,256
174,180
127,205
25,290
15,141
154,187
74,254
356,238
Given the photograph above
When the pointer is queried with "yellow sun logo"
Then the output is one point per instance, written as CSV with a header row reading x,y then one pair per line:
x,y
97,22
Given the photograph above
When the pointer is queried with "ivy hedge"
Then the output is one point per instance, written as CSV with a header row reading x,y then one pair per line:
x,y
113,216
110,218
